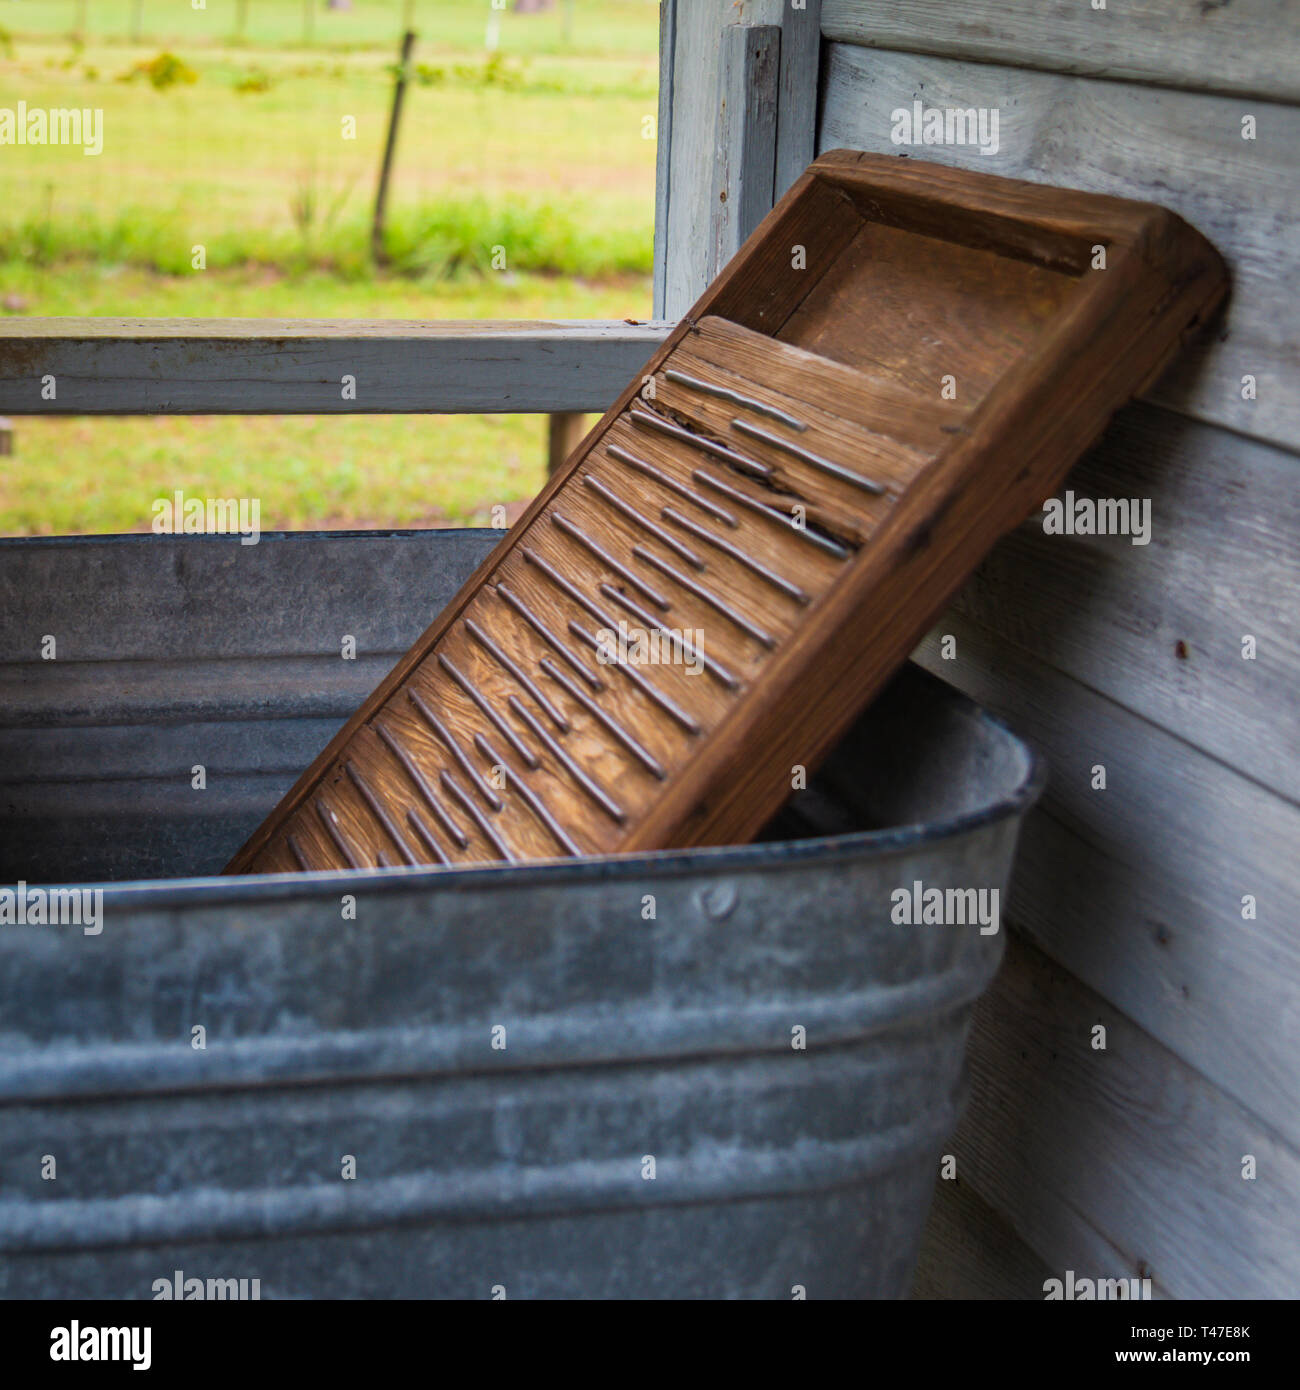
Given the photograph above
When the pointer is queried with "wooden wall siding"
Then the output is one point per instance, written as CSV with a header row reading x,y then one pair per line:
x,y
1127,902
1182,149
1137,888
1221,564
1239,47
1120,1163
684,258
969,1251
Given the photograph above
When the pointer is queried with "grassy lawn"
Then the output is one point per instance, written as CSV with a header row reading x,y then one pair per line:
x,y
599,27
538,147
83,475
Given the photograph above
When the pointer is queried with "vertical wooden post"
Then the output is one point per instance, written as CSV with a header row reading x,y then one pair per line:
x,y
564,433
749,69
664,151
690,59
796,111
381,196
6,436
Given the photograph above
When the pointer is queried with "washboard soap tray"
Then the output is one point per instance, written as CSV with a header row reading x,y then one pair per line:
x,y
901,363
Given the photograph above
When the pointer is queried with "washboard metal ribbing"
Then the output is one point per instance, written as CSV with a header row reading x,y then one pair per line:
x,y
900,364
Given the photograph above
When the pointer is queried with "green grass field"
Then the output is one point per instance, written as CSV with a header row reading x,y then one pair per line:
x,y
600,28
539,146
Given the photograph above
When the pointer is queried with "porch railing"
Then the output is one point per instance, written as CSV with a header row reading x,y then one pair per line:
x,y
122,366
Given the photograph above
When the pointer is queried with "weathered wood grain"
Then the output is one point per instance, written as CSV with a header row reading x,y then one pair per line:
x,y
1241,48
976,311
854,395
796,114
762,678
969,1251
687,162
664,150
1159,628
103,366
901,568
1124,1162
805,395
690,42
745,165
800,245
1138,888
1179,148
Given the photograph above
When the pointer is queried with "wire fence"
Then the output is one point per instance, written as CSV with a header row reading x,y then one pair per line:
x,y
300,22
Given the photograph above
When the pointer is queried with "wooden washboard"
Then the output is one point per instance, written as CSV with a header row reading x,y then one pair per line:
x,y
901,364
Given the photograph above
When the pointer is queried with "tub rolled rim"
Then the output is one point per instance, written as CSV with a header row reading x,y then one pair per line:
x,y
889,840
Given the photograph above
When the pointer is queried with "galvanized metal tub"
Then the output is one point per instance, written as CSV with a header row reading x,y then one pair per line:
x,y
717,1073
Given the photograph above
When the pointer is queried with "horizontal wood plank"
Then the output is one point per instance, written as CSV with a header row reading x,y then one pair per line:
x,y
969,1251
123,366
1138,888
1159,627
1181,149
1178,43
1122,1163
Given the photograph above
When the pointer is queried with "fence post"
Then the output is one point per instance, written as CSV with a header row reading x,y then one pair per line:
x,y
390,145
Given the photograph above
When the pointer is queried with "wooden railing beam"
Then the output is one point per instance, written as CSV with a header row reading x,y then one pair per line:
x,y
104,366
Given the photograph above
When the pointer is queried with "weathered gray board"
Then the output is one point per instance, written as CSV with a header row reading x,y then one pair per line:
x,y
748,79
476,1165
1138,888
1240,46
690,91
1124,1163
106,366
797,103
1182,149
1219,566
663,148
968,1251
1130,1162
